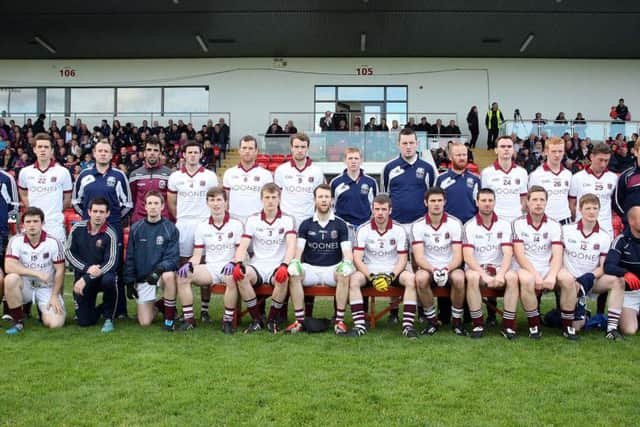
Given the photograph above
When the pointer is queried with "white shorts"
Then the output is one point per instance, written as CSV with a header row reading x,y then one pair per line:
x,y
317,275
56,230
214,270
631,300
147,292
187,236
39,296
265,270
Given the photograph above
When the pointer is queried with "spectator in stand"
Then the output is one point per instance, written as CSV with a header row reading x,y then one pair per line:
x,y
67,133
38,126
634,139
394,126
342,126
290,128
579,120
527,160
357,122
538,120
411,124
583,154
104,129
622,159
622,111
87,162
371,126
438,128
493,121
383,125
423,126
560,119
326,123
274,128
474,126
627,192
224,127
453,129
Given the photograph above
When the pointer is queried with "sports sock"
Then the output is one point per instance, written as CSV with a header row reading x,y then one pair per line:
x,y
358,315
252,306
566,318
276,307
204,306
187,311
17,314
228,314
533,317
476,318
456,316
300,314
169,309
160,305
339,315
613,317
509,320
308,306
408,314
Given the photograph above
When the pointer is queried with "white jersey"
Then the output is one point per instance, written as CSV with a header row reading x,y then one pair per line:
x,y
509,185
191,191
437,241
603,186
46,189
557,186
487,242
42,257
269,239
297,188
381,250
219,243
244,187
582,252
537,241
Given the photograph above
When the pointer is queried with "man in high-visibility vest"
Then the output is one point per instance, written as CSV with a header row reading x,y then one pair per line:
x,y
493,121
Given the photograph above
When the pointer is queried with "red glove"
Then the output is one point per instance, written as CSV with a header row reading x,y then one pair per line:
x,y
632,280
238,272
282,274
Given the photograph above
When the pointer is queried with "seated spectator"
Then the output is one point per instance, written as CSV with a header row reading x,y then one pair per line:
x,y
77,170
423,126
441,160
632,142
538,120
622,158
530,143
357,121
453,129
579,120
411,124
326,122
87,161
290,128
527,160
70,162
394,126
383,125
274,128
342,126
371,126
560,119
438,128
622,111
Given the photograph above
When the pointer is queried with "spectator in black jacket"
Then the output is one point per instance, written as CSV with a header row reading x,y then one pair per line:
x,y
452,129
622,159
274,128
474,126
423,126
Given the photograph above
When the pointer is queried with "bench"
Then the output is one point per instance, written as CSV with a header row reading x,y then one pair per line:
x,y
264,291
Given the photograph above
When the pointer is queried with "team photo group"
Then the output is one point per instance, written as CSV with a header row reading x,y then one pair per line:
x,y
521,234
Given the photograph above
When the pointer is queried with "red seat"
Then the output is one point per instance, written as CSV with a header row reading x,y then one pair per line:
x,y
70,218
263,158
273,166
278,158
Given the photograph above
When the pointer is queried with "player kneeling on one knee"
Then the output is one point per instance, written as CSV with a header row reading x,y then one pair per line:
x,y
488,253
437,251
34,265
380,257
325,250
537,245
273,235
151,261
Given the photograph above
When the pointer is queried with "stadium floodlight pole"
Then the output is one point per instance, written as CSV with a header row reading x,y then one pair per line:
x,y
202,44
525,44
363,42
44,44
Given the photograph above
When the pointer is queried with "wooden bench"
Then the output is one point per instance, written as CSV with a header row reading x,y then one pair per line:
x,y
264,291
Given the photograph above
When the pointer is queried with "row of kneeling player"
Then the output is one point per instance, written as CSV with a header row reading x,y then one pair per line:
x,y
534,253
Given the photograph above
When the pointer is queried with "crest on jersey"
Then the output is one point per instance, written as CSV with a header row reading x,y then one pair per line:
x,y
256,178
45,255
311,179
470,182
420,173
54,179
245,178
162,184
111,181
203,183
364,189
392,242
545,235
566,183
499,235
446,235
334,234
596,247
99,243
159,240
517,181
281,231
609,186
230,235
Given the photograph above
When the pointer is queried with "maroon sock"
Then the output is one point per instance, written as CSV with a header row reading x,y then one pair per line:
x,y
160,306
17,314
168,308
533,317
566,318
308,305
274,311
509,320
476,318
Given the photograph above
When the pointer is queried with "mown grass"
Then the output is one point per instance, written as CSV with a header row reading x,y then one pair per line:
x,y
138,376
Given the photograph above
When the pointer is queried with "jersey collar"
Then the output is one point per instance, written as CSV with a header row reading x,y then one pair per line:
x,y
360,174
263,216
479,221
102,229
184,170
306,164
253,166
530,221
331,217
580,227
43,237
51,164
148,166
496,165
427,219
224,221
387,228
590,172
546,168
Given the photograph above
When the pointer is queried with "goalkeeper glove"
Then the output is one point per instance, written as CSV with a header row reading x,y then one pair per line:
x,y
238,271
440,276
281,274
632,280
185,270
345,268
295,268
132,292
381,281
227,270
153,278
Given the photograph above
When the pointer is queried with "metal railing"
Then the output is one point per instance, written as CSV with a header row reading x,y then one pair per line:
x,y
94,119
329,146
596,130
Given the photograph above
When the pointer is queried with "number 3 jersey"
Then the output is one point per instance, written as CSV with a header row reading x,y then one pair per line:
x,y
269,238
381,249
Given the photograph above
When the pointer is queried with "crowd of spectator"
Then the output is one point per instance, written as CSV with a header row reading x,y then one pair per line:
x,y
74,142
